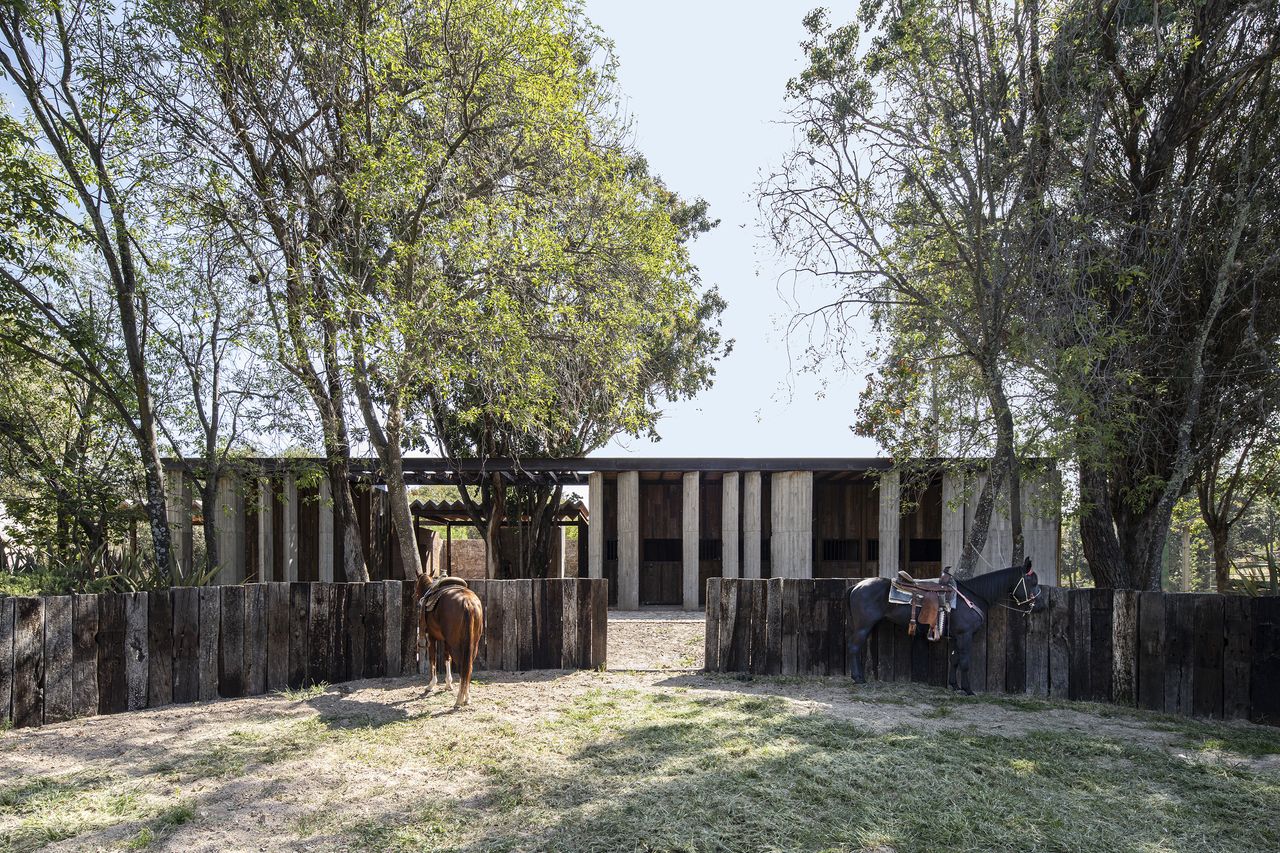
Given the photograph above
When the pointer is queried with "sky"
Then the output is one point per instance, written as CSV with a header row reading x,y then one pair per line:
x,y
704,82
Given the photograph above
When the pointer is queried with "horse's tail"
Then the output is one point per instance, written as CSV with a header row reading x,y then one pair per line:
x,y
471,613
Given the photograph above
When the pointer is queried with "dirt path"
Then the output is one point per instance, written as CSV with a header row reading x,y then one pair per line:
x,y
662,640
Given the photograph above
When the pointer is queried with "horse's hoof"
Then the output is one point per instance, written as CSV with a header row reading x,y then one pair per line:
x,y
969,693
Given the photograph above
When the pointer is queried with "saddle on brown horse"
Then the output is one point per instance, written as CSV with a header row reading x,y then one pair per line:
x,y
930,601
433,593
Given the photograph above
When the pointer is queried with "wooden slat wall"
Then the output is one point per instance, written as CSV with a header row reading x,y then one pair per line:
x,y
67,656
1196,655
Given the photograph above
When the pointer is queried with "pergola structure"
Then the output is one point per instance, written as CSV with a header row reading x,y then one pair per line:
x,y
658,528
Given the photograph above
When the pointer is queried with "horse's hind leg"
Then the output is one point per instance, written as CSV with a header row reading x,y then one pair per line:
x,y
448,668
961,652
857,640
431,662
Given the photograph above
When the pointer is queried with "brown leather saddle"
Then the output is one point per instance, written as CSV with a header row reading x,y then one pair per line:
x,y
432,595
930,602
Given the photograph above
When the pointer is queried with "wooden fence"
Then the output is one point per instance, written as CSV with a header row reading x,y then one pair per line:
x,y
78,655
1190,654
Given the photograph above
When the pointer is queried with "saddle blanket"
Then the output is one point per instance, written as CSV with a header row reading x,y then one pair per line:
x,y
432,595
898,596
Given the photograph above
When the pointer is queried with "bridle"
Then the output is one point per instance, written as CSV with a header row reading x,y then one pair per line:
x,y
1023,596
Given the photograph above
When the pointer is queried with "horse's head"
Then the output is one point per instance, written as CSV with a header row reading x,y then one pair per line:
x,y
1026,593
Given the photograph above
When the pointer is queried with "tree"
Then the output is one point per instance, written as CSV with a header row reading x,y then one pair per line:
x,y
1159,294
563,350
65,60
919,156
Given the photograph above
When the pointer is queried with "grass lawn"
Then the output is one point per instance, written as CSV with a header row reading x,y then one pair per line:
x,y
616,761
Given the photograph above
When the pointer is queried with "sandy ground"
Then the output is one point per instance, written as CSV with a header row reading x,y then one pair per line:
x,y
661,640
265,801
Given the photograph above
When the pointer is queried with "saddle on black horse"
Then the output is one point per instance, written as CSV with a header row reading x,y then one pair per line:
x,y
930,601
432,595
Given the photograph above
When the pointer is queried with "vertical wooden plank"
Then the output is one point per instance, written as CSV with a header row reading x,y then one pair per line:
x,y
186,644
493,619
210,640
997,647
555,594
355,636
837,637
277,636
1179,661
1124,647
1151,650
28,662
320,635
58,658
805,626
408,630
584,622
136,666
524,621
254,663
729,589
159,648
773,626
6,661
1059,614
759,626
790,626
538,606
84,678
1081,640
375,609
339,666
1264,675
742,629
393,625
1237,655
1100,653
920,658
1036,672
231,643
711,657
512,627
569,651
1015,676
938,653
1207,649
600,624
113,695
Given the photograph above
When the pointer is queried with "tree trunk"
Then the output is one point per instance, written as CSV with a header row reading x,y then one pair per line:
x,y
1098,532
1007,451
208,500
1221,534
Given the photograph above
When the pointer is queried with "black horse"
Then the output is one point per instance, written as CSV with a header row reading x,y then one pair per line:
x,y
869,603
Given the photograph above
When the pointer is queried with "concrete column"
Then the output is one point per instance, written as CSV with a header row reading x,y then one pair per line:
x,y
1041,524
953,500
729,526
791,512
751,521
595,525
179,510
629,540
325,531
228,514
289,504
266,542
692,503
890,488
557,568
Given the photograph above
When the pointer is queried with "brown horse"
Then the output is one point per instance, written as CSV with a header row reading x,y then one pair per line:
x,y
449,613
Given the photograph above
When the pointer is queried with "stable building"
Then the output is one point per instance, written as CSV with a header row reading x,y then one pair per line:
x,y
656,528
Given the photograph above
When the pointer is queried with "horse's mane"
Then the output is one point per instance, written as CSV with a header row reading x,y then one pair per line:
x,y
992,585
